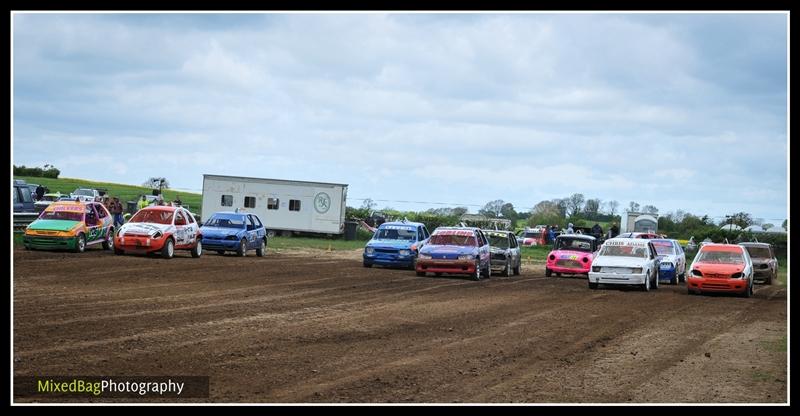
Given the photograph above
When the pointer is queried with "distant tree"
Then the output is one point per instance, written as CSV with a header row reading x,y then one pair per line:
x,y
758,221
459,211
492,209
546,212
766,226
592,208
649,209
156,183
574,204
611,207
562,205
742,219
508,212
785,224
368,204
633,206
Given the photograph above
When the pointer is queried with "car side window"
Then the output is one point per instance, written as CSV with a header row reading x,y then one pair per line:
x,y
427,234
257,221
190,217
251,224
101,211
179,220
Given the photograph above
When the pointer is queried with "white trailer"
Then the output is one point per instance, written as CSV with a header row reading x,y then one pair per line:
x,y
283,206
638,222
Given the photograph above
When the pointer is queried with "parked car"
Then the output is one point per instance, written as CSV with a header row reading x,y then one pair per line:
x,y
672,260
765,264
536,236
626,261
640,235
162,229
721,268
23,200
46,200
505,252
571,254
396,244
457,250
86,194
71,225
235,231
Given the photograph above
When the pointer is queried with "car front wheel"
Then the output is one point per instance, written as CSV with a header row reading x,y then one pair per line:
x,y
197,251
169,249
262,249
242,250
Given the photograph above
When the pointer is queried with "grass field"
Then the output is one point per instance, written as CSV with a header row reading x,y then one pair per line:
x,y
318,243
124,192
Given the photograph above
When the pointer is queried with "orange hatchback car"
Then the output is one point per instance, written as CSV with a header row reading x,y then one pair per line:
x,y
721,268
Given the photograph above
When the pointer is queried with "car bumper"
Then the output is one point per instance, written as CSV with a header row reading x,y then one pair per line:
x,y
666,274
717,285
568,270
762,274
446,266
211,244
49,242
139,244
617,279
389,260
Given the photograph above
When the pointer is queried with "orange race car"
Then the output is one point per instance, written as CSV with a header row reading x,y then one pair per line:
x,y
160,229
721,268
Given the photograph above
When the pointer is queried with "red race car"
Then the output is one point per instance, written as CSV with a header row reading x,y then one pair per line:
x,y
161,229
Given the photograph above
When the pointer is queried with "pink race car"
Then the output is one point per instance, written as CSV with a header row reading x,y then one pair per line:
x,y
572,254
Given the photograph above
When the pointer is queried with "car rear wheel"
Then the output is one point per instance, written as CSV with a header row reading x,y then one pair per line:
x,y
242,250
655,281
548,272
221,252
197,251
517,270
169,249
592,285
421,274
118,251
367,265
80,244
109,243
262,249
507,269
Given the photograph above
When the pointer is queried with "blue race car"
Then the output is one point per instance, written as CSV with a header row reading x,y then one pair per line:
x,y
459,250
396,244
672,260
235,231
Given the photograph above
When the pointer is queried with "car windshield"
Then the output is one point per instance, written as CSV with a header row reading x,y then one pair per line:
x,y
225,222
84,192
62,215
624,251
156,216
396,233
499,241
453,240
663,249
759,252
573,244
720,257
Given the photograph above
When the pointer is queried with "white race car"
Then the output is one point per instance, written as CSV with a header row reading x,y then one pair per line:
x,y
626,261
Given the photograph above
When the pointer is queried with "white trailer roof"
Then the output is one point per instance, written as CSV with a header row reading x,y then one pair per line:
x,y
278,181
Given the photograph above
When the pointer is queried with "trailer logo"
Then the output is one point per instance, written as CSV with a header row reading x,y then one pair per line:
x,y
322,202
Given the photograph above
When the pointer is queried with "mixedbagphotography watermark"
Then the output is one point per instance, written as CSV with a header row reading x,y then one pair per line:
x,y
146,387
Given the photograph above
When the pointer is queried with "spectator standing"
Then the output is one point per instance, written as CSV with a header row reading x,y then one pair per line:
x,y
597,231
569,230
551,234
142,203
177,202
614,230
39,192
116,211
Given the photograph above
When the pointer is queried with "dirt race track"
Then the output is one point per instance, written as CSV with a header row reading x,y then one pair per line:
x,y
318,327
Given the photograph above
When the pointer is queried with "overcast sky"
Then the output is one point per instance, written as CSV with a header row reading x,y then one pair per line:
x,y
678,111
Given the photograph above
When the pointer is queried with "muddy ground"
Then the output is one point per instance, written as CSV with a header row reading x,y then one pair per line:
x,y
315,326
